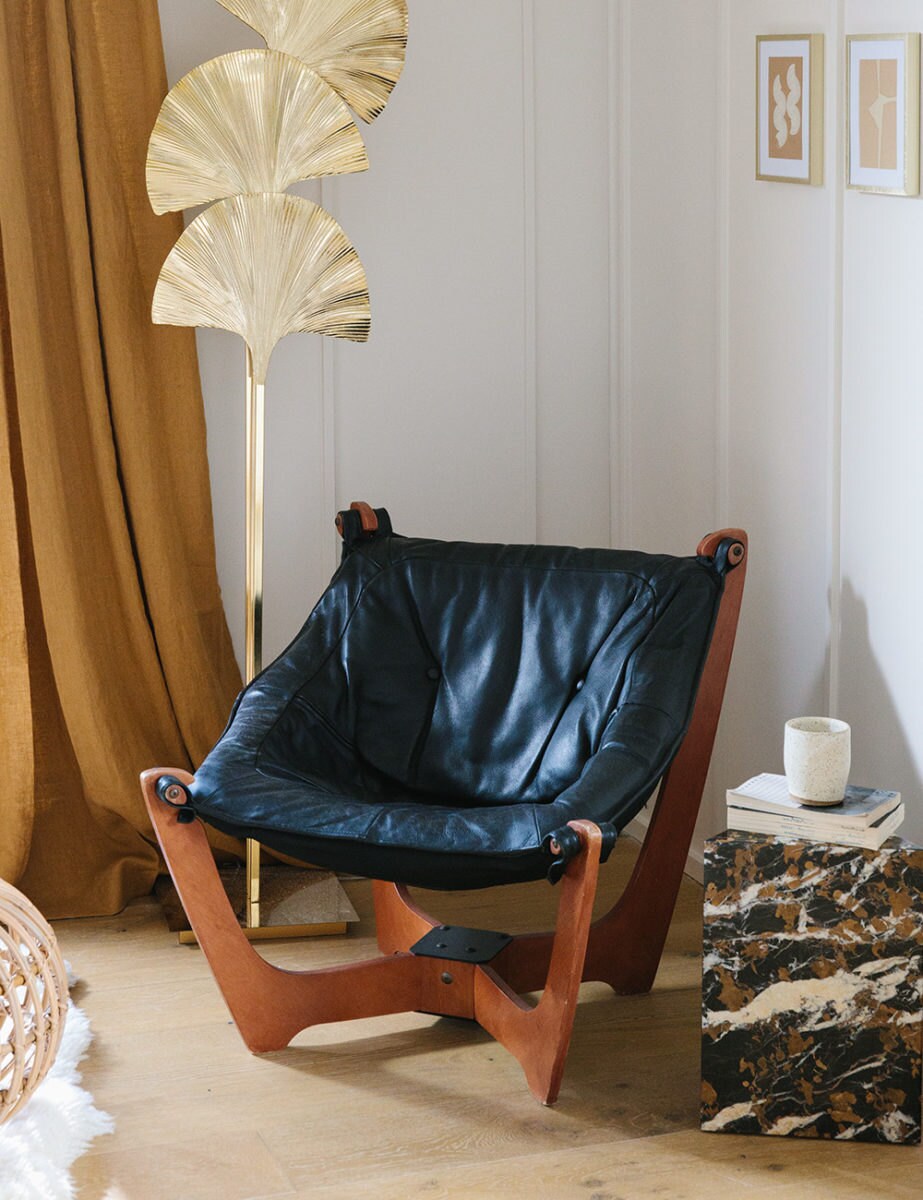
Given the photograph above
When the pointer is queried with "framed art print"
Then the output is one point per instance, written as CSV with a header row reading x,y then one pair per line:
x,y
790,108
883,106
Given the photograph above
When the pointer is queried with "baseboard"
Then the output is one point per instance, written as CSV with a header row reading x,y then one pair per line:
x,y
695,861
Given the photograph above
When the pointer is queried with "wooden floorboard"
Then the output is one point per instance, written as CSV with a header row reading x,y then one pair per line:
x,y
415,1106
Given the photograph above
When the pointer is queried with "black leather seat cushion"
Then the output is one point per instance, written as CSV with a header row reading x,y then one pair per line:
x,y
449,705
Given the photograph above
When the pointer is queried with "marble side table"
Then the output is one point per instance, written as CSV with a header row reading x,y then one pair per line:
x,y
812,998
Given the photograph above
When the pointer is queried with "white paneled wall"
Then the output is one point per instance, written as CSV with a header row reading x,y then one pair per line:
x,y
435,418
881,643
573,256
591,324
669,169
824,431
779,283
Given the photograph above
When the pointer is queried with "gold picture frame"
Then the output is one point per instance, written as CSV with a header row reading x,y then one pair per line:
x,y
883,113
790,108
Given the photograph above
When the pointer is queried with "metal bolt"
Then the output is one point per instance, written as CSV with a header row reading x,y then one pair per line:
x,y
446,977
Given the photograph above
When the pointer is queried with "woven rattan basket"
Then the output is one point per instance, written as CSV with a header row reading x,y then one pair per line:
x,y
33,999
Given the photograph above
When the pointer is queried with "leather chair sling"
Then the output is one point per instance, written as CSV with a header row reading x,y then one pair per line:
x,y
461,715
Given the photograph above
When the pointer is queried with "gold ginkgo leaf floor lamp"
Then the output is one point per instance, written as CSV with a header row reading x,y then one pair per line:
x,y
210,139
358,46
235,133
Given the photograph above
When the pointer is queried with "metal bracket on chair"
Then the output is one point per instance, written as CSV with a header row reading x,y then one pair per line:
x,y
461,944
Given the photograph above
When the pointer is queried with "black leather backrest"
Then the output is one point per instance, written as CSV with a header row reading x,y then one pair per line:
x,y
488,672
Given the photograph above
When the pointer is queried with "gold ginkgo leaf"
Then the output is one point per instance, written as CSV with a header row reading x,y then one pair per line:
x,y
358,46
252,121
264,266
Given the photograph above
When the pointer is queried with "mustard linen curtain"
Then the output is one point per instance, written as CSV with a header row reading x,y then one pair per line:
x,y
115,650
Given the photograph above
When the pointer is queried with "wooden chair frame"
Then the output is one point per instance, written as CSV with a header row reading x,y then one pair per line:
x,y
623,948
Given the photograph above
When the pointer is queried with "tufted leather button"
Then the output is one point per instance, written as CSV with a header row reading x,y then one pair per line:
x,y
433,673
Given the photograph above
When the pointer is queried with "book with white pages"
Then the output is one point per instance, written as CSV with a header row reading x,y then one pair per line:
x,y
861,807
871,837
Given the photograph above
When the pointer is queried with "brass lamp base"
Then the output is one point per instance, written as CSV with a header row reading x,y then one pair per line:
x,y
295,903
275,933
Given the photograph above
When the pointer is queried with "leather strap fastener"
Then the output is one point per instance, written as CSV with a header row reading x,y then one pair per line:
x,y
176,795
564,844
362,523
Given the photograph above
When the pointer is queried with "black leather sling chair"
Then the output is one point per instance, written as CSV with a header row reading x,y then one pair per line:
x,y
457,715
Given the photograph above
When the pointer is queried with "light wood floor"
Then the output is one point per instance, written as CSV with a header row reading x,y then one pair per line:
x,y
413,1106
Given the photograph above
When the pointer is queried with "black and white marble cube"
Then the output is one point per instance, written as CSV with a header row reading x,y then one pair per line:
x,y
812,998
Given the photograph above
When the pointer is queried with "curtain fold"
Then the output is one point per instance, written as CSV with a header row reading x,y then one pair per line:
x,y
116,653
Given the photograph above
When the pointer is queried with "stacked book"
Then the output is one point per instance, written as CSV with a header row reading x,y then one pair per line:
x,y
867,817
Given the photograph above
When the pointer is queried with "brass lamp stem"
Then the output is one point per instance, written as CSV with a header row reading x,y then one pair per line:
x,y
256,427
254,590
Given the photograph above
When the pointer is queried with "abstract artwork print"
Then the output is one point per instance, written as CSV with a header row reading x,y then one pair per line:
x,y
878,113
883,105
786,81
790,108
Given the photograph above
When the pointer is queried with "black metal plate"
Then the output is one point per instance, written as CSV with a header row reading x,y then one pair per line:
x,y
460,944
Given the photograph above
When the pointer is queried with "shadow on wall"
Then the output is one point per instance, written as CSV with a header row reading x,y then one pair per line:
x,y
881,753
773,677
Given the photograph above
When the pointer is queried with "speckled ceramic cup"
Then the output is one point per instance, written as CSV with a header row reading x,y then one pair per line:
x,y
817,754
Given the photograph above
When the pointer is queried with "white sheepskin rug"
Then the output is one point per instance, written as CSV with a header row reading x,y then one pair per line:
x,y
39,1144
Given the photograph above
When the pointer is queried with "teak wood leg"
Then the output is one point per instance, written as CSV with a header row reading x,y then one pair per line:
x,y
271,1005
399,922
537,1036
540,1037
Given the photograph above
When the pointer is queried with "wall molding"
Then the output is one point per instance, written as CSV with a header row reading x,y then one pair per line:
x,y
615,405
834,82
530,272
328,200
723,218
619,110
